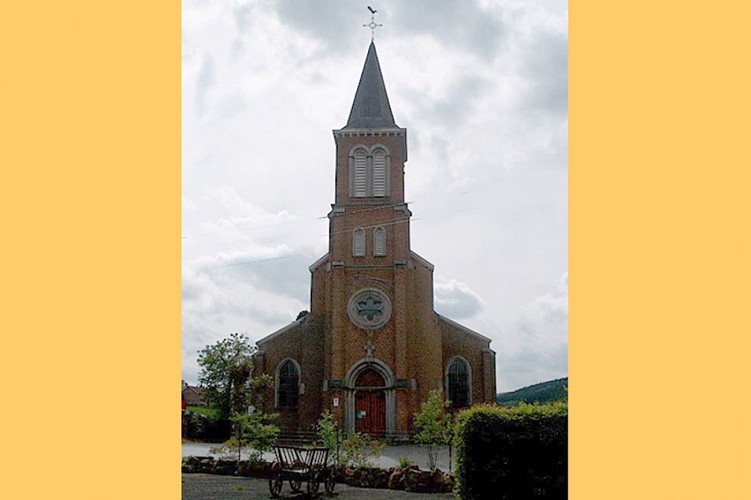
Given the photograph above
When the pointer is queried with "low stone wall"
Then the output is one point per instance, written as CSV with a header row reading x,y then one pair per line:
x,y
211,465
409,479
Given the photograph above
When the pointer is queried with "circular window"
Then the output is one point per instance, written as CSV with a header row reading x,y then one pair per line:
x,y
369,308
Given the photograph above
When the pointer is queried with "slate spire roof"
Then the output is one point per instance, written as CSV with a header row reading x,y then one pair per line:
x,y
371,108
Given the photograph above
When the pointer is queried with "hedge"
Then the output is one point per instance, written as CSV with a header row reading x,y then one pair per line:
x,y
513,453
198,426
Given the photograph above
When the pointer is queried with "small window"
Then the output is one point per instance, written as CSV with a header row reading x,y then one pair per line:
x,y
379,172
459,383
379,242
361,174
288,385
358,243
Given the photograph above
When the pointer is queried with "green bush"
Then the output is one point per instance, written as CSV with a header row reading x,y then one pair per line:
x,y
254,431
434,426
359,449
512,453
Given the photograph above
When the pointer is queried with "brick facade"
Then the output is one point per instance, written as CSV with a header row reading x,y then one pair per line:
x,y
343,337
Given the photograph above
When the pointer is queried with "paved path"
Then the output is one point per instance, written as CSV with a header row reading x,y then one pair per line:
x,y
389,457
212,487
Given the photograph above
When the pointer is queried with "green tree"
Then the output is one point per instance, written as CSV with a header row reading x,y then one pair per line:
x,y
434,426
253,430
225,374
328,434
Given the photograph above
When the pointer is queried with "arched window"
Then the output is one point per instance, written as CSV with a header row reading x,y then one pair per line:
x,y
379,242
288,384
379,172
459,383
369,172
358,242
360,185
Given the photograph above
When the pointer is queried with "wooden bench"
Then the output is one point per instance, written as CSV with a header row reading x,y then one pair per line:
x,y
297,464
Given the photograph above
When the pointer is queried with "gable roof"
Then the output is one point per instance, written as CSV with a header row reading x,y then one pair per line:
x,y
462,328
281,331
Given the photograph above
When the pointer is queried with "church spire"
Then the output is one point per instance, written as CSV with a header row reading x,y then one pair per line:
x,y
371,108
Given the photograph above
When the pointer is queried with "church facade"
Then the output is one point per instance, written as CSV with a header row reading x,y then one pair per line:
x,y
372,347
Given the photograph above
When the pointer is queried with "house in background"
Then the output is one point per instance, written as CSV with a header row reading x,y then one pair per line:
x,y
193,396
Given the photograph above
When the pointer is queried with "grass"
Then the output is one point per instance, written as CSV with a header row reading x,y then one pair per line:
x,y
204,410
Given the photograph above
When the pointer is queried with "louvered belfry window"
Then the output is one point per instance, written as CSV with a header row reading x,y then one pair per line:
x,y
379,242
289,384
358,242
379,172
369,173
458,383
361,174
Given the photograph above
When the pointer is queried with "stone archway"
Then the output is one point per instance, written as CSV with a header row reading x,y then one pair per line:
x,y
371,401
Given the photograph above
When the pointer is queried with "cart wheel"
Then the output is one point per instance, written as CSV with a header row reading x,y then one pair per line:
x,y
275,485
312,484
295,484
330,483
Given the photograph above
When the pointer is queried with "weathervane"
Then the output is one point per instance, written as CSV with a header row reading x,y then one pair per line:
x,y
372,24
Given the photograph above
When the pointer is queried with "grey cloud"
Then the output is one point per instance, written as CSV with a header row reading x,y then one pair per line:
x,y
465,24
204,81
552,308
191,290
536,347
263,315
285,275
459,104
233,105
289,276
456,300
326,20
546,66
241,15
456,108
531,365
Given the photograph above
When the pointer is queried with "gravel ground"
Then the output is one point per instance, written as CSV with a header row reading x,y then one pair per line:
x,y
214,487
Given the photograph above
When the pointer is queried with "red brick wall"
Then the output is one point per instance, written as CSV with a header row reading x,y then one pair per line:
x,y
413,343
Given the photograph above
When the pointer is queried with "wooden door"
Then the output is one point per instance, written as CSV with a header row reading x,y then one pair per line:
x,y
370,412
370,403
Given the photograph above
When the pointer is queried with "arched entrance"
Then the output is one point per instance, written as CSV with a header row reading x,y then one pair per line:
x,y
370,398
370,403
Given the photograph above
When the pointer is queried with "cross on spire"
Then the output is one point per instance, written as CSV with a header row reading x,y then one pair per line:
x,y
372,24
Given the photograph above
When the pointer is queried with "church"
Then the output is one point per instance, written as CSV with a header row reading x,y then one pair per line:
x,y
372,347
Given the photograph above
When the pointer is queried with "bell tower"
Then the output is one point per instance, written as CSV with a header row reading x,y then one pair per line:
x,y
369,255
369,221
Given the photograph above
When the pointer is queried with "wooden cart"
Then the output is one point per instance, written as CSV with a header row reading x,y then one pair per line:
x,y
298,464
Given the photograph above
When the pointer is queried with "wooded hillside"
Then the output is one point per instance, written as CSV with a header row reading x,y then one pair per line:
x,y
544,392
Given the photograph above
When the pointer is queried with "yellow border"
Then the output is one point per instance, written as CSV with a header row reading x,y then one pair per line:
x,y
659,249
659,266
90,160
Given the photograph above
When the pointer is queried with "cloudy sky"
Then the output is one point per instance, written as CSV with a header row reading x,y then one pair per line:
x,y
481,87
